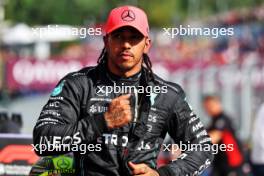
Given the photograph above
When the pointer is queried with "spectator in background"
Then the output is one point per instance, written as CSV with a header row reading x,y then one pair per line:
x,y
222,132
257,155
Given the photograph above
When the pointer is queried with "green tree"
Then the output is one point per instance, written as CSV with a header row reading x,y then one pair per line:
x,y
79,12
74,12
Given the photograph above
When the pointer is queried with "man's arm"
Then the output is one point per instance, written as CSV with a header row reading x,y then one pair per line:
x,y
186,128
60,117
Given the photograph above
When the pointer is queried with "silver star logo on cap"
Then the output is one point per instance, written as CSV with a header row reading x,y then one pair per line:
x,y
128,15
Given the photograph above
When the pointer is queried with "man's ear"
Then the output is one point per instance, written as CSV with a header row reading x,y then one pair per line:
x,y
147,45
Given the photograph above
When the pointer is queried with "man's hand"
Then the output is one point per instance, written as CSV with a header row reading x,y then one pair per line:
x,y
216,136
119,112
142,170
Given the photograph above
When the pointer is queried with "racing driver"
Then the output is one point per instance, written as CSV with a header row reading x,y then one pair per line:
x,y
86,107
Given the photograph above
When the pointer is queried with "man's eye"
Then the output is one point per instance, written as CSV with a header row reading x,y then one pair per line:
x,y
117,36
136,37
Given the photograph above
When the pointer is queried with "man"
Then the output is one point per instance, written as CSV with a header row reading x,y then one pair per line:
x,y
221,131
92,106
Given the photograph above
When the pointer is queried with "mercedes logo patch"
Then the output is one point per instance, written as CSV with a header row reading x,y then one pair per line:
x,y
128,15
63,163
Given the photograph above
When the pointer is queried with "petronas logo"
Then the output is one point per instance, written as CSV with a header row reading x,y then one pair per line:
x,y
57,90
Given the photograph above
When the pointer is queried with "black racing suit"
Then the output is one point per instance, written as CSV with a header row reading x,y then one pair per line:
x,y
76,108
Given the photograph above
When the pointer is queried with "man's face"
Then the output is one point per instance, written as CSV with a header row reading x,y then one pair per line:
x,y
212,107
125,47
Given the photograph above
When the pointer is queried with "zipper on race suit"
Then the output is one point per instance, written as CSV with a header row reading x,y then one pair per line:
x,y
136,111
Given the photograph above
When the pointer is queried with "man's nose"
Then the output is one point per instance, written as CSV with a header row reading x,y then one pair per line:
x,y
126,44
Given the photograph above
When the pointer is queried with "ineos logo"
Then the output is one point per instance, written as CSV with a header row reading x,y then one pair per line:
x,y
128,15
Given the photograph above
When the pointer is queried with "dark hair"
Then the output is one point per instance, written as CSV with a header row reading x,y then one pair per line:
x,y
146,60
207,97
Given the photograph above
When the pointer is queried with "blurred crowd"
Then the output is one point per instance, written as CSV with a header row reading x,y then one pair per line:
x,y
245,47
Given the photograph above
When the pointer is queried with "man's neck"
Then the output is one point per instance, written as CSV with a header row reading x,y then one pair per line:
x,y
123,73
124,76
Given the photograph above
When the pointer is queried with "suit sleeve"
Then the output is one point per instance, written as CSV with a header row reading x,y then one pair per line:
x,y
186,129
61,120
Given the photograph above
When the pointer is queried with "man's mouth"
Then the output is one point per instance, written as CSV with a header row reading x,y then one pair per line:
x,y
126,55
